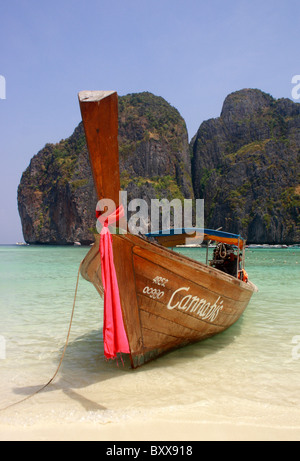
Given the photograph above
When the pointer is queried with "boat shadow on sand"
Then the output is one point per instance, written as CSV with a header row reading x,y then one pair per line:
x,y
84,364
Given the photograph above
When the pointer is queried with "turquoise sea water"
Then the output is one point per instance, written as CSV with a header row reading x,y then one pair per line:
x,y
249,374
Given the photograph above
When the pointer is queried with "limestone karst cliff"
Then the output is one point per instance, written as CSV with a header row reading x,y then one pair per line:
x,y
244,163
56,196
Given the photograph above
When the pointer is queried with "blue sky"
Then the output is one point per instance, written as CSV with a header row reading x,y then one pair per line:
x,y
191,52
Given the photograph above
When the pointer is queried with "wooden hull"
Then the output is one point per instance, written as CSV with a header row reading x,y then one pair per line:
x,y
168,300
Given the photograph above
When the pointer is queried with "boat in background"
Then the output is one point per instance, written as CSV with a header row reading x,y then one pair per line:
x,y
167,300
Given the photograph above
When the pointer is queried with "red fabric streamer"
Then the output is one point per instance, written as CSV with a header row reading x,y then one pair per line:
x,y
114,335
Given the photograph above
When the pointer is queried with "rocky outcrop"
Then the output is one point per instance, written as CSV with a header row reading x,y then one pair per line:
x,y
245,164
56,195
154,150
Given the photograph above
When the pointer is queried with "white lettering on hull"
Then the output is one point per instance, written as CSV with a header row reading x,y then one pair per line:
x,y
153,293
189,303
200,307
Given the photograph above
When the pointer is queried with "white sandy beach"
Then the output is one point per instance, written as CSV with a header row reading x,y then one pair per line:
x,y
153,430
76,415
240,385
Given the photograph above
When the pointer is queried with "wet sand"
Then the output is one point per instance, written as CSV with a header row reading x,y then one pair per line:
x,y
76,415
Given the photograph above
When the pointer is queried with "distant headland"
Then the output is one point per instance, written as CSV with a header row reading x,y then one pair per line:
x,y
245,164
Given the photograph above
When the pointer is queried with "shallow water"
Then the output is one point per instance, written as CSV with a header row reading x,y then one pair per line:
x,y
248,374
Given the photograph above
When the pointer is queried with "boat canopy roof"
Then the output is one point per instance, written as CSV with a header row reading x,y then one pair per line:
x,y
208,234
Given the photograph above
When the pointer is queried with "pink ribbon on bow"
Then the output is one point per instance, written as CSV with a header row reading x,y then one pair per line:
x,y
114,335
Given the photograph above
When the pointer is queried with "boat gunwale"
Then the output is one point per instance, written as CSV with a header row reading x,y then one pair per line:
x,y
186,259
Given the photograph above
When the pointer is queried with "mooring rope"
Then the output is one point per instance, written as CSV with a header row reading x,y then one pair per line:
x,y
62,356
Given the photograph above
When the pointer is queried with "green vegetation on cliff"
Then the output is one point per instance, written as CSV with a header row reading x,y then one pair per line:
x,y
245,164
56,195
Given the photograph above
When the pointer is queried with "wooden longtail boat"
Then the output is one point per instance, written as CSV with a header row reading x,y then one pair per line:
x,y
168,300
